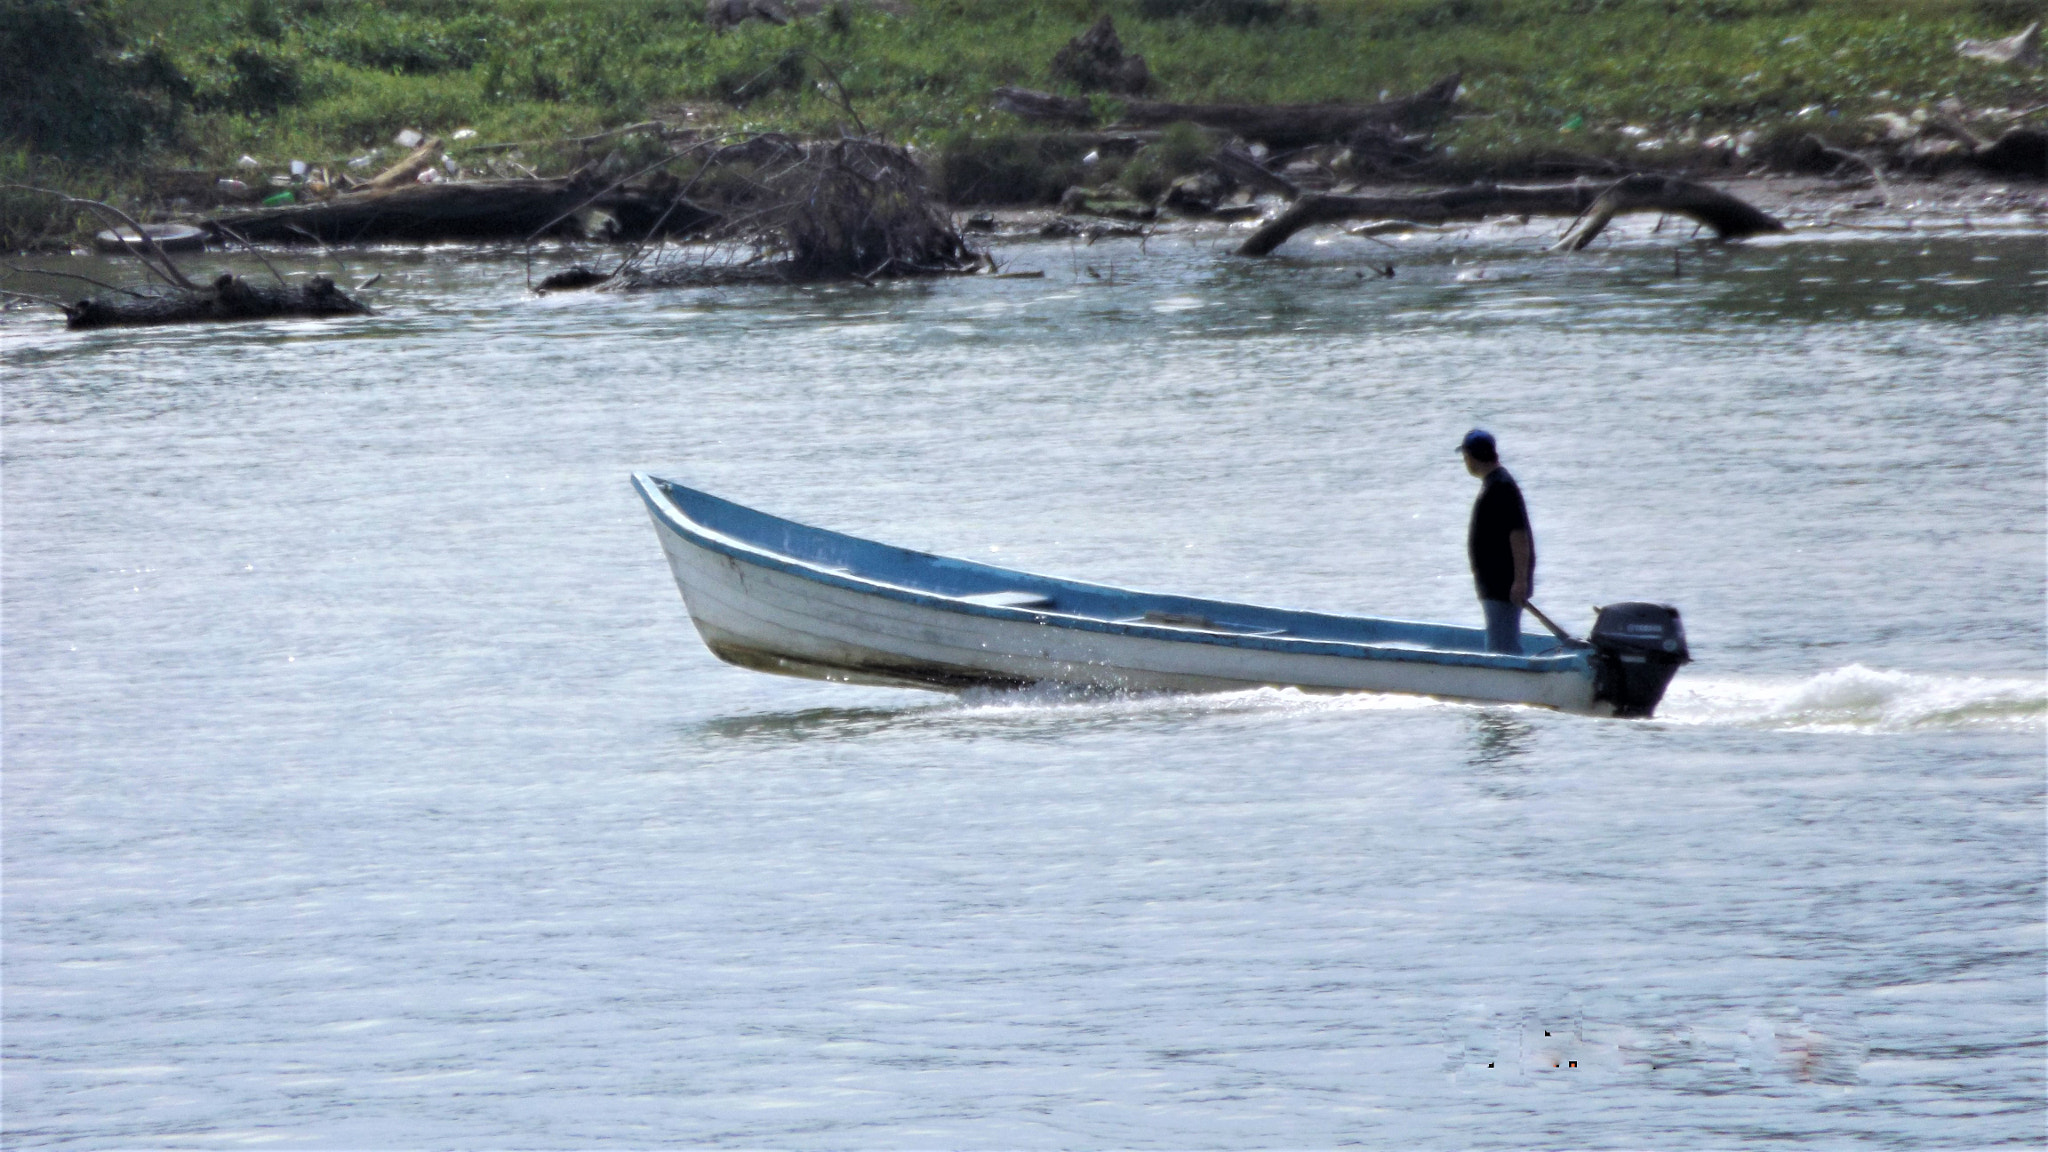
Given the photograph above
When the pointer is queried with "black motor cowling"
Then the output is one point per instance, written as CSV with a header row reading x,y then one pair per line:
x,y
1639,648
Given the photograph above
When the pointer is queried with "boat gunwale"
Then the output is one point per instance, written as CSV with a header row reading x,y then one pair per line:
x,y
651,487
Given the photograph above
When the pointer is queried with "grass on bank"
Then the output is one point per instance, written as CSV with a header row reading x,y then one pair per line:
x,y
95,91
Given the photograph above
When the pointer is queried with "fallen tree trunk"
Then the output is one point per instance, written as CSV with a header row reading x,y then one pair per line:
x,y
474,210
2020,152
1729,217
227,298
1275,125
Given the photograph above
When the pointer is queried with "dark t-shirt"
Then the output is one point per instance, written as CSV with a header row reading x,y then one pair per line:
x,y
1498,511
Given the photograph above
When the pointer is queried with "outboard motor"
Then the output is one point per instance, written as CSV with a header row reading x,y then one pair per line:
x,y
1639,648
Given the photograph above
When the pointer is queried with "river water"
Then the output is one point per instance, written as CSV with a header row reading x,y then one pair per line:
x,y
366,785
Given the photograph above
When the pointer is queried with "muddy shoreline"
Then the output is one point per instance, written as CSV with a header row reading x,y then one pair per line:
x,y
986,240
1798,201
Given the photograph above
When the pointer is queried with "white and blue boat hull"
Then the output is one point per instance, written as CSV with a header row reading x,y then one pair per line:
x,y
777,596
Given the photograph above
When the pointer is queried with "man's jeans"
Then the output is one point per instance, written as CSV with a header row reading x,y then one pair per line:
x,y
1503,626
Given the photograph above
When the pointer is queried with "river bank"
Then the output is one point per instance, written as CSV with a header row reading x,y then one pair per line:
x,y
215,102
1898,205
1892,205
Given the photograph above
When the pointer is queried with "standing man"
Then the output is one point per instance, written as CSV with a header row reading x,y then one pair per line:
x,y
1502,549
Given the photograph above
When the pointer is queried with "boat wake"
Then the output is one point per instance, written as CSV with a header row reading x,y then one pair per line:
x,y
1848,699
1038,710
1852,699
1859,699
1040,697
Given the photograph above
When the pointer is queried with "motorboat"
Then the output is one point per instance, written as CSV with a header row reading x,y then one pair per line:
x,y
778,596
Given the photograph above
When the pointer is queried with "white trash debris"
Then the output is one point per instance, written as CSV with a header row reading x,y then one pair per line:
x,y
408,139
2021,48
249,162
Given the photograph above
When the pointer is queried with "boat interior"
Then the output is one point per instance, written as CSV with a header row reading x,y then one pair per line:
x,y
987,586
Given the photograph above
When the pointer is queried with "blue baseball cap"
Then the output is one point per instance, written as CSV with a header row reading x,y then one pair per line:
x,y
1478,443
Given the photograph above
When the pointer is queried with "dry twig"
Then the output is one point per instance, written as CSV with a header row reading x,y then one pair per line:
x,y
75,276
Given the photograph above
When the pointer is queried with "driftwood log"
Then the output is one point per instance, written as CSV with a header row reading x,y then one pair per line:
x,y
1274,125
473,210
408,169
1729,217
2020,152
227,298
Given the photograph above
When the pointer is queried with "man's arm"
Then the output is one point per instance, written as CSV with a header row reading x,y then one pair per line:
x,y
1525,558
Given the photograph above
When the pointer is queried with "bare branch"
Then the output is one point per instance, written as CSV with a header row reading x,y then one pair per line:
x,y
1884,190
614,186
169,273
169,268
845,101
75,276
50,300
239,239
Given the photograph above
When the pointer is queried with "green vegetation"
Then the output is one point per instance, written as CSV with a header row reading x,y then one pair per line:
x,y
91,90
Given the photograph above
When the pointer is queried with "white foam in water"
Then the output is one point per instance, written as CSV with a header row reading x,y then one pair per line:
x,y
1248,700
1856,698
1853,698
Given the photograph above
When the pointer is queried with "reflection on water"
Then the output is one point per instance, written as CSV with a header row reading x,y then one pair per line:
x,y
1966,277
1503,744
812,724
1499,740
1047,712
1055,712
